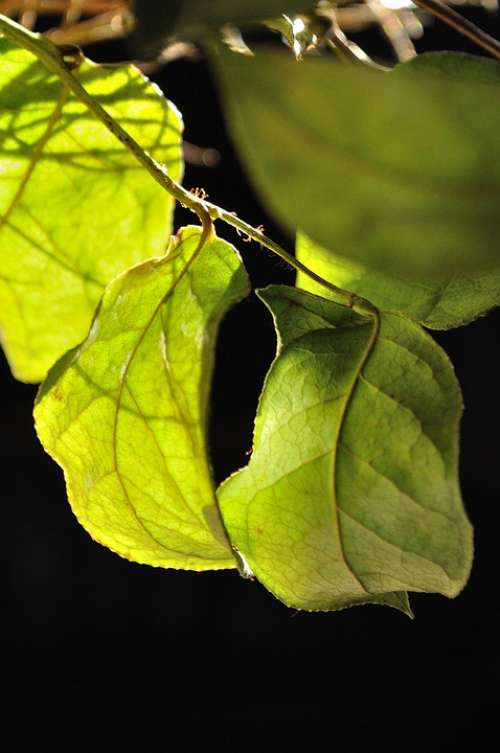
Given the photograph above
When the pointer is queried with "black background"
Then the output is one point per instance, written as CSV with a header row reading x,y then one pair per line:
x,y
90,641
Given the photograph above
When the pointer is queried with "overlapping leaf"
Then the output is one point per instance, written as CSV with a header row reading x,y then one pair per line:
x,y
399,171
75,207
436,303
351,494
125,413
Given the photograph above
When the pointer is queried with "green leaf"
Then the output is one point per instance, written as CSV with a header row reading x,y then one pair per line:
x,y
125,413
438,304
351,494
190,19
399,171
75,207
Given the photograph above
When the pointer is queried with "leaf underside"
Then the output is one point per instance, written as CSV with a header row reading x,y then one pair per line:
x,y
125,413
76,209
351,494
398,171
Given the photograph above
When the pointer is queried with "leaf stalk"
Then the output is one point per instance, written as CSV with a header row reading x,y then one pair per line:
x,y
461,24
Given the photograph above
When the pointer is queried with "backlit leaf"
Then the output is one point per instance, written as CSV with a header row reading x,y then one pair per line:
x,y
437,304
351,494
125,413
75,207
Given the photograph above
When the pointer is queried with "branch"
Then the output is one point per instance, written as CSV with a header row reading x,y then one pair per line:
x,y
343,297
85,7
394,30
461,24
53,59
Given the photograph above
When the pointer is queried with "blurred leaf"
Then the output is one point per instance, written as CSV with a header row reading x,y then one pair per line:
x,y
190,19
352,493
399,171
75,207
125,413
438,304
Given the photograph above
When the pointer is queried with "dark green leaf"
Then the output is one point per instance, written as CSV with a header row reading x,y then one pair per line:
x,y
399,171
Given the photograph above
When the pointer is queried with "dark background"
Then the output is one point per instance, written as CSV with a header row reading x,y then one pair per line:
x,y
90,641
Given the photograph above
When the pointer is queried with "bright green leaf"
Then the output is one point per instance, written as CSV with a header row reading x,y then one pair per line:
x,y
125,413
438,304
351,494
75,207
399,171
192,18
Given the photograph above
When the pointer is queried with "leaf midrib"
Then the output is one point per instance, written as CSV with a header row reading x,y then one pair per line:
x,y
123,383
117,410
337,440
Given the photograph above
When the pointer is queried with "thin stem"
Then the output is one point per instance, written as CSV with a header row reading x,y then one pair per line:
x,y
97,28
53,59
351,52
461,24
345,48
338,294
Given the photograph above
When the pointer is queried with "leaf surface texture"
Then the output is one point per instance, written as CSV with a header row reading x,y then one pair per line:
x,y
125,413
435,303
76,208
351,494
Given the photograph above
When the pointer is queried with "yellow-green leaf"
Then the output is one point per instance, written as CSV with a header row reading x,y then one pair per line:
x,y
125,413
75,207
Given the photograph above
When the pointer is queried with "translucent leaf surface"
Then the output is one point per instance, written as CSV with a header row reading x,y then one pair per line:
x,y
400,170
75,207
438,304
351,494
125,413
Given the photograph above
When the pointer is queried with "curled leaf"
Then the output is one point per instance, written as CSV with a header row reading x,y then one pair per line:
x,y
125,413
351,494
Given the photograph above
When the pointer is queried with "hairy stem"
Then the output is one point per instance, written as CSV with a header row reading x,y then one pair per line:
x,y
55,61
461,24
338,294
